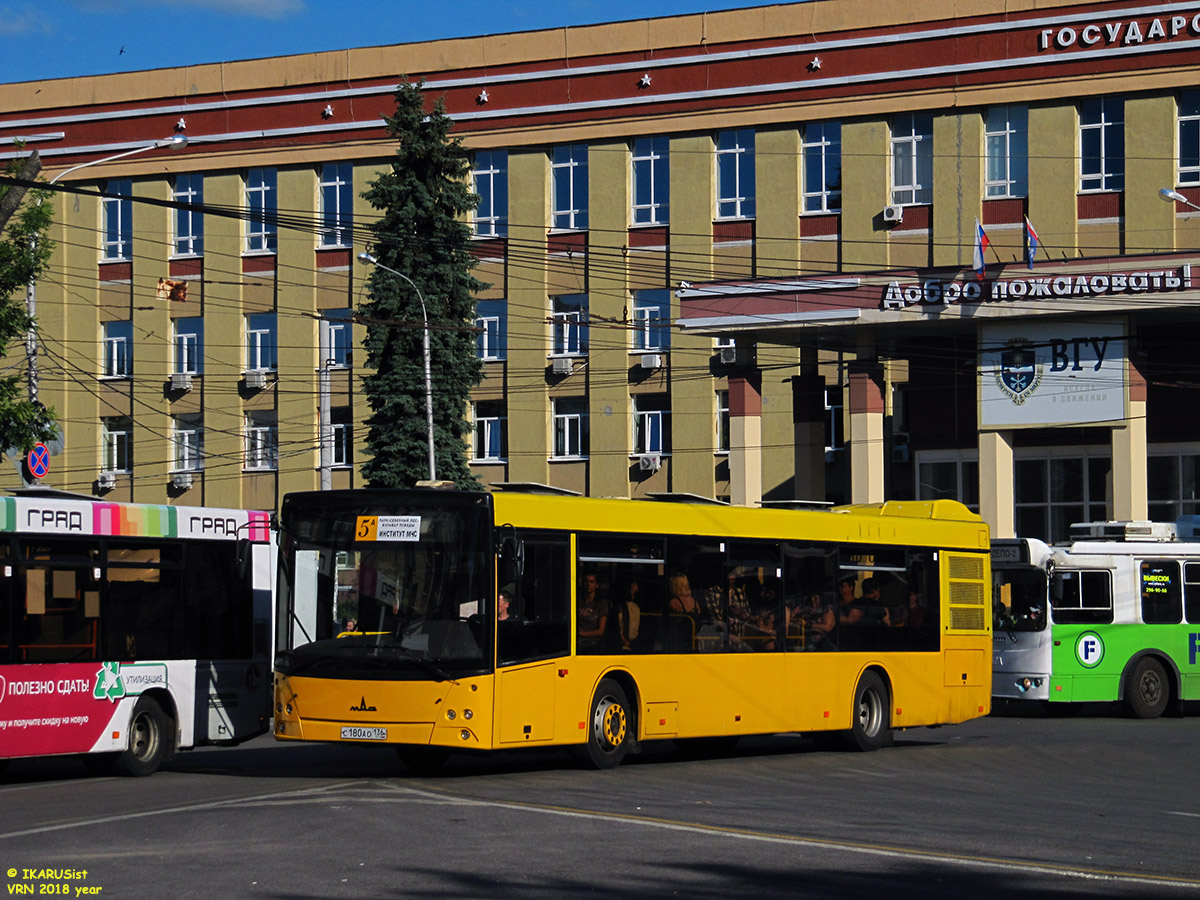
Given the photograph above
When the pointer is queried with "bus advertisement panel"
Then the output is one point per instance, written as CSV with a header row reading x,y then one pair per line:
x,y
129,630
1113,617
444,620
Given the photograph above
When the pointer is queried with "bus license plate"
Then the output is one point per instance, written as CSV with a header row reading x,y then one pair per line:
x,y
358,733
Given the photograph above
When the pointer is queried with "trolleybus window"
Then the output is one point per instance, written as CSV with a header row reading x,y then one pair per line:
x,y
1162,600
1019,600
1191,591
1081,598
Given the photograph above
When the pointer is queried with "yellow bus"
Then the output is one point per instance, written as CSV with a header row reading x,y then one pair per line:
x,y
442,621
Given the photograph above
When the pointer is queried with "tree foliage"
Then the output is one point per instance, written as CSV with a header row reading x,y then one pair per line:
x,y
24,253
421,233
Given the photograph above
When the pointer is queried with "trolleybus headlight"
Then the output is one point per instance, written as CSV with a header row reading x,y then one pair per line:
x,y
467,714
1028,684
451,715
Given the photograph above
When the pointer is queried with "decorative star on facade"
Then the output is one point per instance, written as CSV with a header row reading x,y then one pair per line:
x,y
181,125
483,96
327,112
645,82
815,64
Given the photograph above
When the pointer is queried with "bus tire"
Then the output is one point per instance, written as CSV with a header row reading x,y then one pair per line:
x,y
151,739
871,726
611,725
1147,690
422,760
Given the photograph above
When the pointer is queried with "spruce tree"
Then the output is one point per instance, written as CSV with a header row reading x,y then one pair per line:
x,y
421,233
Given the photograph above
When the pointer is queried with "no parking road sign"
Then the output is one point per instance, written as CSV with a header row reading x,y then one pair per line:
x,y
38,461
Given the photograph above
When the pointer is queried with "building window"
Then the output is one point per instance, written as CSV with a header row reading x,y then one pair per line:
x,y
490,177
189,345
116,450
262,440
570,428
948,477
651,181
341,431
652,320
337,199
117,211
492,322
262,205
489,431
260,342
1173,483
821,152
1189,137
834,439
118,349
189,223
912,159
188,439
1006,138
569,180
336,336
1102,144
722,421
568,325
735,174
1052,492
651,424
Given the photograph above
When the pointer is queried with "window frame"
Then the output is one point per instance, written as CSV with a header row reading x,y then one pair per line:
x,y
187,238
912,148
651,425
724,422
262,204
488,432
569,176
116,215
116,444
1006,171
489,179
337,338
651,321
569,325
1109,158
569,428
261,445
336,180
821,146
257,326
183,349
187,444
735,167
650,166
1187,115
117,340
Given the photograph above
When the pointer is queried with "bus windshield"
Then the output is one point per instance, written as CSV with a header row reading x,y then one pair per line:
x,y
409,589
1019,601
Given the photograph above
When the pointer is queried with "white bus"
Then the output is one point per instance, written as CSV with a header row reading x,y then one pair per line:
x,y
1113,615
128,631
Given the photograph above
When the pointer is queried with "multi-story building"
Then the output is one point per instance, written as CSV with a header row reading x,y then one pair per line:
x,y
730,255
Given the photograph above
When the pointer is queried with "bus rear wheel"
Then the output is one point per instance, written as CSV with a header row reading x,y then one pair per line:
x,y
151,739
872,726
1147,690
610,726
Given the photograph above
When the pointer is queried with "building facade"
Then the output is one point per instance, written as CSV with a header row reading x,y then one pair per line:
x,y
729,255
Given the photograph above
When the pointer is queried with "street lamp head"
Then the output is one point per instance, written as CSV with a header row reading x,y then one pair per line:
x,y
175,142
1171,196
367,258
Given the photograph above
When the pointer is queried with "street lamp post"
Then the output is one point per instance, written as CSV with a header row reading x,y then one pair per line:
x,y
175,142
1171,196
368,258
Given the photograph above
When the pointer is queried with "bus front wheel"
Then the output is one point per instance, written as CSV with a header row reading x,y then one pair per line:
x,y
610,724
1147,689
151,739
872,725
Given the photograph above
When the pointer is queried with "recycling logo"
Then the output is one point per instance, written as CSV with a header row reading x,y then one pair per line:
x,y
109,685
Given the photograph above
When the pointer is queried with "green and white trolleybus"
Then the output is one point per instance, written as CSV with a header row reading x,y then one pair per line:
x,y
1112,615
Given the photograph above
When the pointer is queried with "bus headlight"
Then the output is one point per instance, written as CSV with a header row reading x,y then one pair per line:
x,y
451,715
1028,684
465,735
467,714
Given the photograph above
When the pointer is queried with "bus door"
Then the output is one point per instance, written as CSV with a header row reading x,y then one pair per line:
x,y
534,643
1021,637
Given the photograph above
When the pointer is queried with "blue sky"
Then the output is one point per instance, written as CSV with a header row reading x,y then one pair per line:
x,y
64,38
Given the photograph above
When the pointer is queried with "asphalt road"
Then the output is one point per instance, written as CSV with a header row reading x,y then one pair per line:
x,y
1096,805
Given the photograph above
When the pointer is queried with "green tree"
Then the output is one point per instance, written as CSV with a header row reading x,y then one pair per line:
x,y
24,253
421,233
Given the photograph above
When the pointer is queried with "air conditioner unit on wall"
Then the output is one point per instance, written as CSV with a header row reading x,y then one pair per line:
x,y
255,381
182,480
181,381
562,365
106,481
728,355
650,462
893,215
652,360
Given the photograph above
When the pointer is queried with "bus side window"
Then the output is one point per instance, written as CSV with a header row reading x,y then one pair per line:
x,y
1161,600
1191,592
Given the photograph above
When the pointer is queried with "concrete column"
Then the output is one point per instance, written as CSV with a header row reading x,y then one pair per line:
x,y
865,441
745,438
808,426
996,495
1129,487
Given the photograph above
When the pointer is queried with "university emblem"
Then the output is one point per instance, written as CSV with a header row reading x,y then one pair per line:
x,y
1019,373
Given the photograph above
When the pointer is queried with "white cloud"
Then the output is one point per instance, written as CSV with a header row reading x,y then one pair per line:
x,y
263,9
23,21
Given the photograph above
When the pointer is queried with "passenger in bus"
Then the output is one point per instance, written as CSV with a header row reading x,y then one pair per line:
x,y
626,613
871,608
849,613
592,614
684,603
818,619
504,606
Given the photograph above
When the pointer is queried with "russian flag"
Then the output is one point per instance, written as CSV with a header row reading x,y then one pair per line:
x,y
981,245
1031,242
